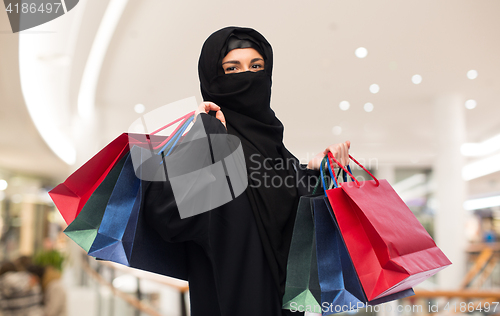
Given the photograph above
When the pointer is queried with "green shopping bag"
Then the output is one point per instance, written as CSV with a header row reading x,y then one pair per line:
x,y
83,229
302,290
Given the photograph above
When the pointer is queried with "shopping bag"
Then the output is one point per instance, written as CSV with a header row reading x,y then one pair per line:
x,y
390,249
83,229
110,243
124,236
149,252
71,195
302,289
340,287
333,267
206,172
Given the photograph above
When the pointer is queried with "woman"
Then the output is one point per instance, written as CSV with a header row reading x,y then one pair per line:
x,y
237,253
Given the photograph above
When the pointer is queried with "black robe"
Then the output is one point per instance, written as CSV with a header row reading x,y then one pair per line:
x,y
228,271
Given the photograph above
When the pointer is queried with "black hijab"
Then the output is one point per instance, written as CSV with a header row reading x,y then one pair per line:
x,y
244,99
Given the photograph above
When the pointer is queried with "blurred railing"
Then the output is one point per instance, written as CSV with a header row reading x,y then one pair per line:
x,y
479,293
465,294
105,273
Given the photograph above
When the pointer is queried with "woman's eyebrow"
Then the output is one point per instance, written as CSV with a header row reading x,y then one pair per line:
x,y
238,62
232,62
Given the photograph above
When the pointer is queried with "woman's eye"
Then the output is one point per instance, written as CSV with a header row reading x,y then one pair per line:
x,y
230,68
256,66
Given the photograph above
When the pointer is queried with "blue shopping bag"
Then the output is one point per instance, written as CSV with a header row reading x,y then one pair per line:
x,y
125,237
339,283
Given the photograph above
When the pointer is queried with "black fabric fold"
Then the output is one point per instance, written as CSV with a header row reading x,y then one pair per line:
x,y
244,99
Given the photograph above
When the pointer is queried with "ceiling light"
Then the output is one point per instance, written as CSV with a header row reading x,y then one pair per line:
x,y
3,184
481,168
337,130
476,204
374,88
472,74
139,108
368,107
416,79
483,148
361,52
344,105
470,104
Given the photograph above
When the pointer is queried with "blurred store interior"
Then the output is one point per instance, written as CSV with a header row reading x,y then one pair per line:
x,y
414,85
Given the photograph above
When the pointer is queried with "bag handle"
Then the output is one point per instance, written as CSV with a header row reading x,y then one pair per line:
x,y
318,182
344,174
184,119
325,167
175,137
330,155
323,177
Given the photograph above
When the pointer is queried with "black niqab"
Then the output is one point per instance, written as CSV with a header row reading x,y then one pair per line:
x,y
244,99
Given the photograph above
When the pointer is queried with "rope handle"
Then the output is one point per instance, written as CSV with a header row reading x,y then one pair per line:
x,y
318,182
176,137
323,177
184,119
330,155
332,174
344,175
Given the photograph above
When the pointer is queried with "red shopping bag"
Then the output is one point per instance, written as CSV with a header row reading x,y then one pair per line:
x,y
390,249
71,195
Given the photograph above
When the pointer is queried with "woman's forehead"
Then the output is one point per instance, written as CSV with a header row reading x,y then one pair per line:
x,y
242,53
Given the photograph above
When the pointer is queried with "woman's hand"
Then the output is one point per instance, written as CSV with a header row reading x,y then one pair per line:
x,y
340,152
206,107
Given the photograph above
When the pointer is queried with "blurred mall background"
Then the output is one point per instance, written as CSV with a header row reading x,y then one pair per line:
x,y
414,85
